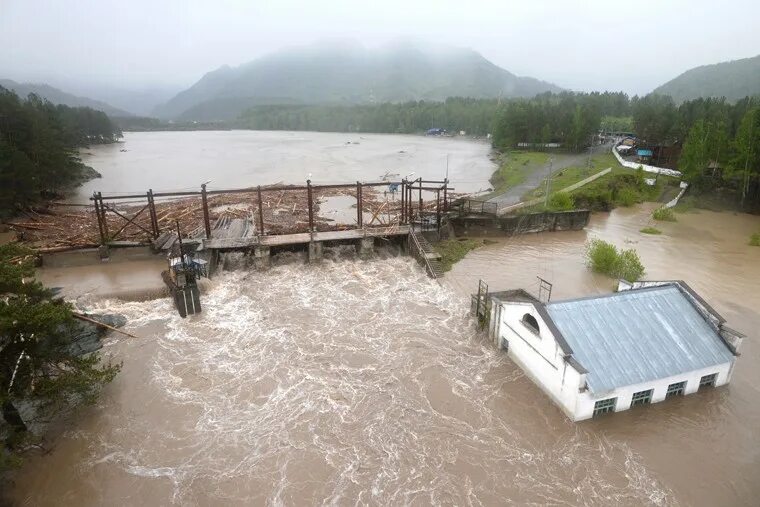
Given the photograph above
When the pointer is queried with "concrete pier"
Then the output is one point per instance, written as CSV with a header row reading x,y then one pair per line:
x,y
315,251
365,247
261,257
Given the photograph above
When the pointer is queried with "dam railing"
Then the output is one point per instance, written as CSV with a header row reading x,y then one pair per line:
x,y
267,210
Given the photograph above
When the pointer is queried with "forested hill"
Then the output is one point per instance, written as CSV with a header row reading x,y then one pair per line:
x,y
348,74
57,96
734,80
38,142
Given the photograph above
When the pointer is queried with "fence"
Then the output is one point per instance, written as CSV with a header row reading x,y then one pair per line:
x,y
674,201
472,206
275,209
645,167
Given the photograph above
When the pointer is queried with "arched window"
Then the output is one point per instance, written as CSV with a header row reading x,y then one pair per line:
x,y
530,322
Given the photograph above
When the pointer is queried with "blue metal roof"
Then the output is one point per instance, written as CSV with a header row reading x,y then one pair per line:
x,y
637,336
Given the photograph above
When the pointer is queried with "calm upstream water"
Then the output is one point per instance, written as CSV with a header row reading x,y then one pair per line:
x,y
167,161
366,383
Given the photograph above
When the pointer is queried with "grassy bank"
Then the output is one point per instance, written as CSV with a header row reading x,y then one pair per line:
x,y
514,168
572,175
454,250
623,187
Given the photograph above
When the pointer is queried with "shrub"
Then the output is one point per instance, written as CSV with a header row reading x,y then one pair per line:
x,y
754,240
627,196
650,230
594,200
664,214
561,201
603,257
640,178
629,266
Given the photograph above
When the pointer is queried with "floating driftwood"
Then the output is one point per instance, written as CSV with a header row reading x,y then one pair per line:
x,y
98,323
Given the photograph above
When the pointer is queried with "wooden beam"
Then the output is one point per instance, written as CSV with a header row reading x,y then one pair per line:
x,y
359,204
311,209
261,212
206,219
129,221
93,321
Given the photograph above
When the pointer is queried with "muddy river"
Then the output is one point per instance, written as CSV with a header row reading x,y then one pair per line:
x,y
366,383
167,161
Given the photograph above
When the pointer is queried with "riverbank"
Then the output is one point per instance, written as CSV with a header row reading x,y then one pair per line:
x,y
523,173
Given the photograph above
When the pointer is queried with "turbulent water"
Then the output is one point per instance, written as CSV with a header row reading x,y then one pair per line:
x,y
366,383
167,161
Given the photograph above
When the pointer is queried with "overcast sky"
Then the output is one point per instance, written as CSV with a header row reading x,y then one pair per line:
x,y
577,44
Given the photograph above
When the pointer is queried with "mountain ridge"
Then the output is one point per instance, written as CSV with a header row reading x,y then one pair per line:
x,y
733,79
348,74
58,96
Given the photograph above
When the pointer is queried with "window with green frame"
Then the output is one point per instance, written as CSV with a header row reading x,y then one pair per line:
x,y
642,398
604,406
708,380
676,389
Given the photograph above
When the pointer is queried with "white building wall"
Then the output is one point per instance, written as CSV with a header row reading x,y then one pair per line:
x,y
542,360
539,355
586,401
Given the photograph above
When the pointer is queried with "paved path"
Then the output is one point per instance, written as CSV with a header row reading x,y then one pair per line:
x,y
538,173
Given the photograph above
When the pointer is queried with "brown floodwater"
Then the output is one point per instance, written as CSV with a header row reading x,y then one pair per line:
x,y
171,161
367,383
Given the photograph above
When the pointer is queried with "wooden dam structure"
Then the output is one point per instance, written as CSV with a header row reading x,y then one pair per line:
x,y
266,219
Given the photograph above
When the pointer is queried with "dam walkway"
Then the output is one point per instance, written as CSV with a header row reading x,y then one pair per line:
x,y
266,219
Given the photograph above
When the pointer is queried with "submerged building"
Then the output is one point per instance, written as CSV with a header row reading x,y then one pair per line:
x,y
643,344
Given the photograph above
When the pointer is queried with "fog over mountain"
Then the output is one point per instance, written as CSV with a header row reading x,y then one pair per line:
x,y
344,72
144,44
57,96
733,80
140,101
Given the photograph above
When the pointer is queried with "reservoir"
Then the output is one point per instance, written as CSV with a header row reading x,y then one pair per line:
x,y
365,382
171,161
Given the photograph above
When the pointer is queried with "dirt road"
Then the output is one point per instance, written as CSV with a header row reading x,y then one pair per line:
x,y
539,172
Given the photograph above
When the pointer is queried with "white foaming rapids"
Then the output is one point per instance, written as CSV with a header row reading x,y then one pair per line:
x,y
350,382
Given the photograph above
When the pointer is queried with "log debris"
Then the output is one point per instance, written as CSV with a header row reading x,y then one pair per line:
x,y
98,323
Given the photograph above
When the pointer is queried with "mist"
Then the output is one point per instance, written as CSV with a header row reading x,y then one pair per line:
x,y
159,48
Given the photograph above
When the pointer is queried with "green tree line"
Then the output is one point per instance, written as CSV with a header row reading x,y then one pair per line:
x,y
658,120
471,115
567,118
38,147
720,154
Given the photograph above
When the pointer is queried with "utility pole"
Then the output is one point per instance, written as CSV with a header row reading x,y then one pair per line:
x,y
548,184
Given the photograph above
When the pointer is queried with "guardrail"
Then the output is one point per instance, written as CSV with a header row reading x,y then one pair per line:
x,y
473,206
645,167
420,251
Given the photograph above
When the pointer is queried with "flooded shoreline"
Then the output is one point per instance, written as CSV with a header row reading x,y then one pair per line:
x,y
366,381
174,161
